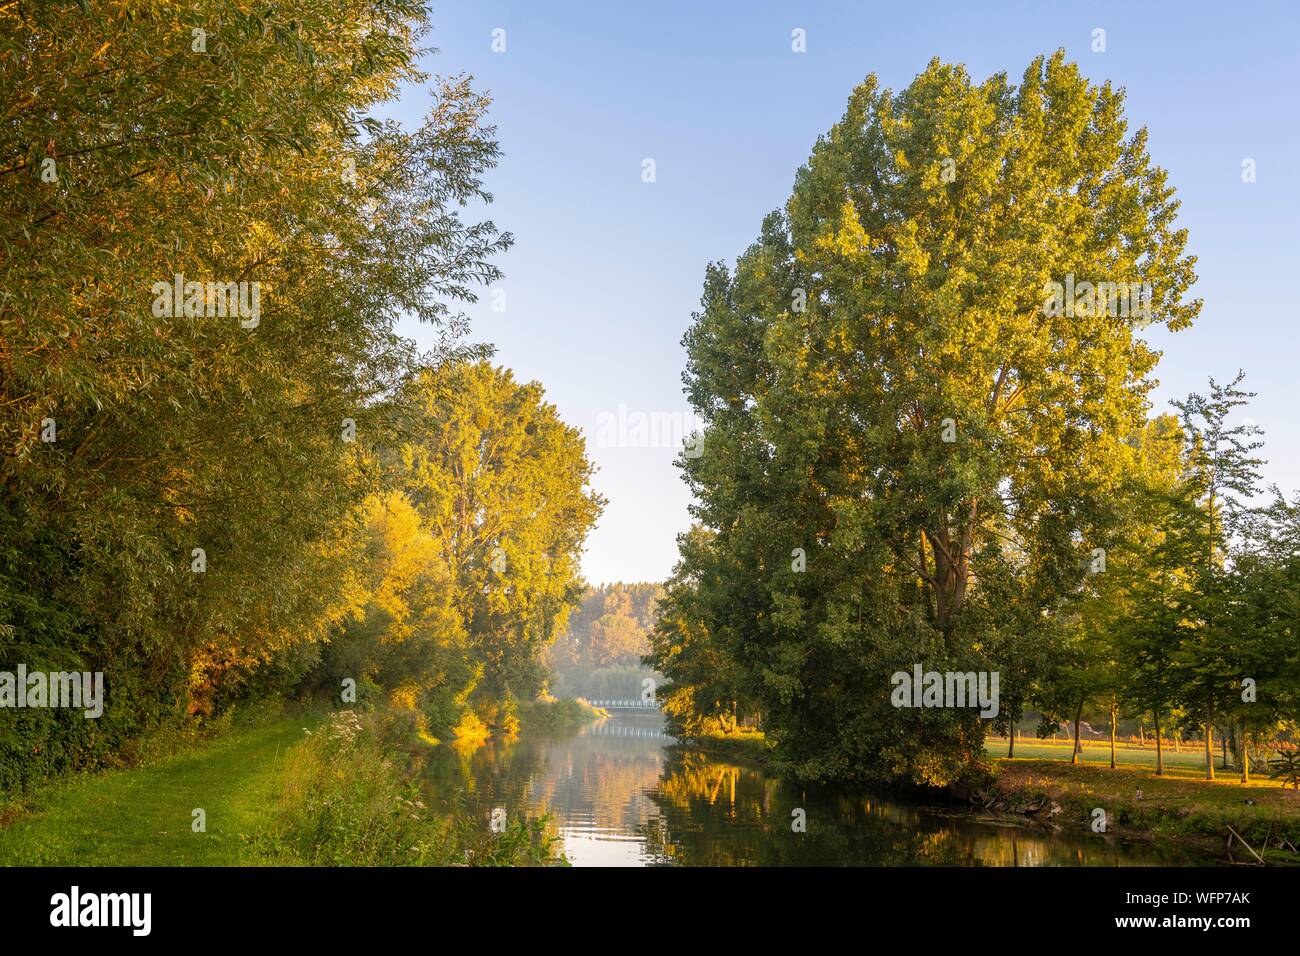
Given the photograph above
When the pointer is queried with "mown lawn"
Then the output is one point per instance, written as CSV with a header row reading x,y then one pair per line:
x,y
1099,752
143,816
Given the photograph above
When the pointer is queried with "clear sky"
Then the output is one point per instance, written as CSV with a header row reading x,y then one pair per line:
x,y
607,269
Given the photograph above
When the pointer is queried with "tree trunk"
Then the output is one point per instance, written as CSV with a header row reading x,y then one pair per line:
x,y
1224,746
1078,749
1142,731
1113,715
1209,749
951,567
1243,754
1011,740
1160,754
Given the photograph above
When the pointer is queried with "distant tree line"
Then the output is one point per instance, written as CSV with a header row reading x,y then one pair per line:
x,y
599,654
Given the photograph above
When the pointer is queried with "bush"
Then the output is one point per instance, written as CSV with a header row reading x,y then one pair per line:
x,y
551,714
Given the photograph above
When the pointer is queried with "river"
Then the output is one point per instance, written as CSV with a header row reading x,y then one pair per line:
x,y
616,795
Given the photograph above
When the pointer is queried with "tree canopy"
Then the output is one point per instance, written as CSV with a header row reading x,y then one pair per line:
x,y
928,434
207,238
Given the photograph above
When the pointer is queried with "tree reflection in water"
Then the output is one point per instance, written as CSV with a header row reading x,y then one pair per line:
x,y
617,794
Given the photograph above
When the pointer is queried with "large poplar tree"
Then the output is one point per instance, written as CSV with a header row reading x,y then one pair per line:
x,y
898,404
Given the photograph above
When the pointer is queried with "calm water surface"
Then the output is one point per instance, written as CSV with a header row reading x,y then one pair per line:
x,y
616,796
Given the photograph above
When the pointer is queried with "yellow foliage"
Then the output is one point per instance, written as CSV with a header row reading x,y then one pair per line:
x,y
470,728
404,697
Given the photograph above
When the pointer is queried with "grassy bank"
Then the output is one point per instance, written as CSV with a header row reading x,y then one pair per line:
x,y
144,816
1178,805
334,790
351,796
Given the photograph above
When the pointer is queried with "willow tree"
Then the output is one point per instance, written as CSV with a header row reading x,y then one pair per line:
x,y
924,371
170,468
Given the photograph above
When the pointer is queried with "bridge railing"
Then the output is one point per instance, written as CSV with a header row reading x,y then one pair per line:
x,y
626,704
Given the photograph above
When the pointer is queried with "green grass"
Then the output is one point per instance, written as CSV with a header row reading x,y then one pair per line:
x,y
143,816
273,796
1099,752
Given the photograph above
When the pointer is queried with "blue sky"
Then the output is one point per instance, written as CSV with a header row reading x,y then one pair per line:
x,y
607,269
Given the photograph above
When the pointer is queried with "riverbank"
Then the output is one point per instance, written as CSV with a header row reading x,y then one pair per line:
x,y
1055,795
308,789
144,816
1137,803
